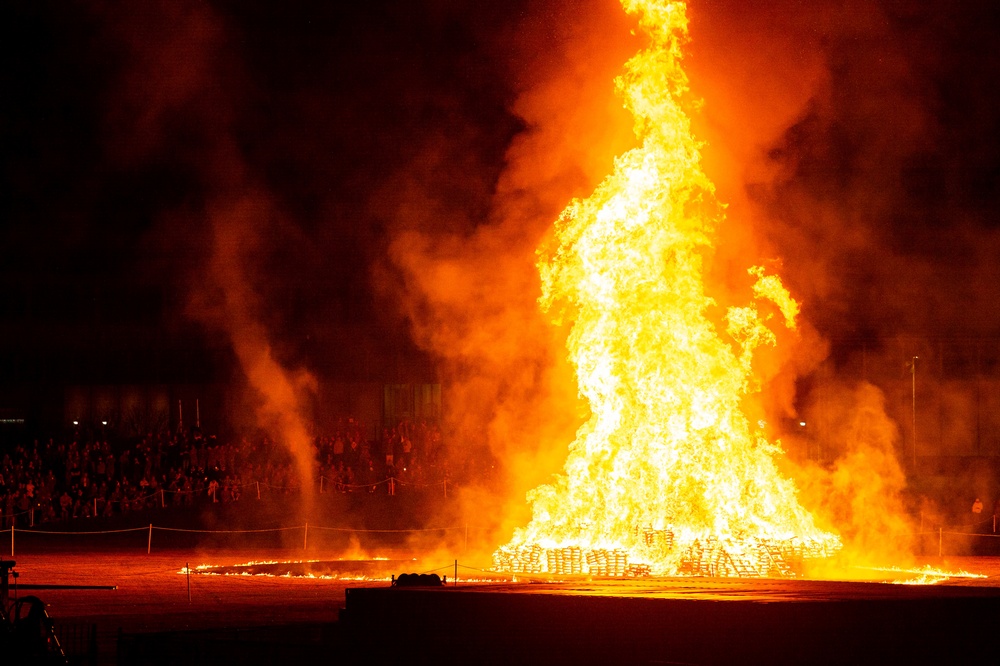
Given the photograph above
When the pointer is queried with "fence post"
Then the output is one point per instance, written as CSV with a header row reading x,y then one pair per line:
x,y
149,544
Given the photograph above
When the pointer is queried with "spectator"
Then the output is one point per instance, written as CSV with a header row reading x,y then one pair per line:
x,y
91,477
65,505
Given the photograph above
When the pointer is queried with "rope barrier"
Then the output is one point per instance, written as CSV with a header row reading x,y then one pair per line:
x,y
456,566
978,534
84,532
463,566
350,529
420,485
268,485
182,529
364,485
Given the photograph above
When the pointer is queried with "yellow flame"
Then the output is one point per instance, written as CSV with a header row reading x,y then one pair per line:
x,y
668,476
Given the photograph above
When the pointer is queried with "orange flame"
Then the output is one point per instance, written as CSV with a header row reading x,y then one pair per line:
x,y
668,476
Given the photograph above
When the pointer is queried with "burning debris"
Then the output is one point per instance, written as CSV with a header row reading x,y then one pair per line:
x,y
668,445
369,569
710,557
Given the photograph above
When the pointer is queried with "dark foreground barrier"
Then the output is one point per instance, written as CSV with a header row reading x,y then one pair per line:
x,y
292,644
676,621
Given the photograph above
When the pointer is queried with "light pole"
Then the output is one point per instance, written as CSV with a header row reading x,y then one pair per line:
x,y
913,393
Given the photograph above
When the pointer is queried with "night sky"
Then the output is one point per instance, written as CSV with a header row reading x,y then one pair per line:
x,y
121,125
859,142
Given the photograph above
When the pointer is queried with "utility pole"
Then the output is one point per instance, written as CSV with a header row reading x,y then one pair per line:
x,y
913,389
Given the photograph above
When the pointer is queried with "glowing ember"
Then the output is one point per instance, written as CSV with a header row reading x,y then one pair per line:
x,y
926,575
668,476
354,570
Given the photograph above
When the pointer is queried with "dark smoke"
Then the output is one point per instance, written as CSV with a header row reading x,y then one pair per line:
x,y
885,186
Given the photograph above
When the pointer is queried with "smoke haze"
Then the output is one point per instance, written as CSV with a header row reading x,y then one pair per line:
x,y
337,188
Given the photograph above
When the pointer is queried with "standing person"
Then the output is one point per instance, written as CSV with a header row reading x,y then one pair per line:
x,y
977,520
338,449
353,453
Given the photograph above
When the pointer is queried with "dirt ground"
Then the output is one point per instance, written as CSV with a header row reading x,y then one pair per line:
x,y
154,595
152,591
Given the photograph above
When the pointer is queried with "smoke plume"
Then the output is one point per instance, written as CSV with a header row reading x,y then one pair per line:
x,y
852,144
469,285
178,98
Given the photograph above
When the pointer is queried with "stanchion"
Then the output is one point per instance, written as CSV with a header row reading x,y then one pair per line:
x,y
149,544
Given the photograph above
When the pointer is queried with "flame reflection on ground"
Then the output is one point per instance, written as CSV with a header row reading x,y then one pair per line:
x,y
361,570
926,575
382,569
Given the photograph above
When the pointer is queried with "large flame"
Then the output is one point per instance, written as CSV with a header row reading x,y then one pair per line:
x,y
668,476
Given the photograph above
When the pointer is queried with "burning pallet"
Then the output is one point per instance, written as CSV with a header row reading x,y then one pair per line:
x,y
569,560
711,556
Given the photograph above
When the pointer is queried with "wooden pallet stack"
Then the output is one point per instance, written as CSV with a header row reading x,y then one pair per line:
x,y
603,562
762,557
703,557
521,560
569,560
661,540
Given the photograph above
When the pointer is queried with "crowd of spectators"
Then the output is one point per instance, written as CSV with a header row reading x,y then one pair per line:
x,y
88,476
